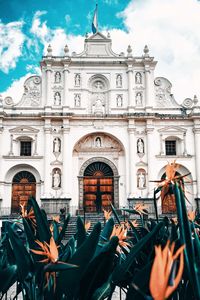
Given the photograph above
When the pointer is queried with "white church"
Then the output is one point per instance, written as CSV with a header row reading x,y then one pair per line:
x,y
96,127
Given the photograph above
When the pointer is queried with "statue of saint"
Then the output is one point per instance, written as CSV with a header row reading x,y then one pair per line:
x,y
138,78
139,98
56,179
140,146
77,100
57,77
56,145
119,100
141,180
77,80
57,98
98,106
98,142
119,80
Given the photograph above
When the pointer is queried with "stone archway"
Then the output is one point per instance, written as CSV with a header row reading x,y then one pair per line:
x,y
105,184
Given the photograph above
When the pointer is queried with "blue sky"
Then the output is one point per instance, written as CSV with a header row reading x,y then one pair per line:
x,y
28,26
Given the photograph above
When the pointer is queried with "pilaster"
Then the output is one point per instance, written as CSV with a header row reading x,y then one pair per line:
x,y
196,131
132,168
150,158
47,160
67,162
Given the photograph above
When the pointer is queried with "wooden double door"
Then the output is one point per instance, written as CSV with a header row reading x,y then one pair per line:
x,y
98,187
23,187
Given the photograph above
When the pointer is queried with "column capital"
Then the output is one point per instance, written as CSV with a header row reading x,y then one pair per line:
x,y
47,129
149,130
131,129
196,130
66,129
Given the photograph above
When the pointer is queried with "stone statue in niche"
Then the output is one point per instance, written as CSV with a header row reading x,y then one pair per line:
x,y
138,78
98,106
140,146
98,142
56,145
77,100
56,180
77,80
138,99
119,80
57,98
141,180
119,100
57,77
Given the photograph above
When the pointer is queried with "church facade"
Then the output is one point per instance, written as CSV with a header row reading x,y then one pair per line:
x,y
94,128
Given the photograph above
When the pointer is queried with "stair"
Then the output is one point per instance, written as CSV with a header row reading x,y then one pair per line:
x,y
93,218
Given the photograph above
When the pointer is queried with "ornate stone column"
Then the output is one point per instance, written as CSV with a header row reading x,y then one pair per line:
x,y
161,144
66,87
47,160
35,150
67,162
147,87
132,168
184,144
11,145
44,97
131,98
150,160
196,131
48,87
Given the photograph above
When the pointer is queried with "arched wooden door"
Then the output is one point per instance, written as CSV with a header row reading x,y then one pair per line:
x,y
98,187
23,186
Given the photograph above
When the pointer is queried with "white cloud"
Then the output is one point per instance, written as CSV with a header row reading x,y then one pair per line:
x,y
11,42
171,30
16,89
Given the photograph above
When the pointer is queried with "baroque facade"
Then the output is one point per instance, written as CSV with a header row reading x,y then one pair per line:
x,y
96,125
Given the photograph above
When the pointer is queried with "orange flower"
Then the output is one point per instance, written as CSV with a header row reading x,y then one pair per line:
x,y
161,271
191,215
48,250
107,214
121,233
56,219
28,215
51,252
139,207
87,225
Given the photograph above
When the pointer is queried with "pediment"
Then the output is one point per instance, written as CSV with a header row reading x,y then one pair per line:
x,y
98,45
141,164
98,36
24,129
172,129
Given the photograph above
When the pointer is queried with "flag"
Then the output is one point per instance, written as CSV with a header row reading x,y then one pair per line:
x,y
95,22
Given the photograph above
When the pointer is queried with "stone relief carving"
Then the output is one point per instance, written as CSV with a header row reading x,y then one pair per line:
x,y
187,103
98,143
9,101
32,92
164,97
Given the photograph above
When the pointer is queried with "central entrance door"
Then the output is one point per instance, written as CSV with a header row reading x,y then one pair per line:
x,y
23,186
98,187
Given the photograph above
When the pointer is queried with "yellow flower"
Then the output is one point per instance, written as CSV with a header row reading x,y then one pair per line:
x,y
161,271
